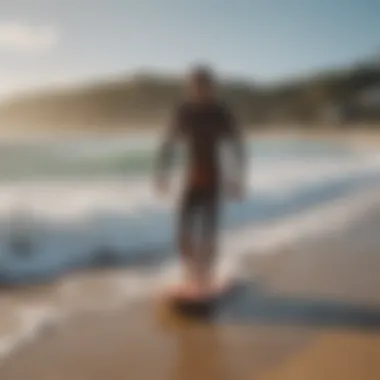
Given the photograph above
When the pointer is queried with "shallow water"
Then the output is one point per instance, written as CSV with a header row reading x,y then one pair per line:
x,y
90,203
70,205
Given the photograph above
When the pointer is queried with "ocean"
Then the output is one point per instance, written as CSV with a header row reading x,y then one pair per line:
x,y
82,228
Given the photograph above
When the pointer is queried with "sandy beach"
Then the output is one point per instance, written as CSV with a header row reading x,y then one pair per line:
x,y
188,194
308,311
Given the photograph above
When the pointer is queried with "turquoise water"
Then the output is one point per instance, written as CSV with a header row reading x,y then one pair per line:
x,y
108,158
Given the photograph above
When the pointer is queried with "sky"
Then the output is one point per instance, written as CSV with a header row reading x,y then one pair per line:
x,y
63,42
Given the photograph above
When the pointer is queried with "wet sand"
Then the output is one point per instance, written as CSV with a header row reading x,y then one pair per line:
x,y
308,311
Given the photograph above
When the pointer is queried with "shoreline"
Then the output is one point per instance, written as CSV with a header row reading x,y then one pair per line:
x,y
335,274
310,311
303,297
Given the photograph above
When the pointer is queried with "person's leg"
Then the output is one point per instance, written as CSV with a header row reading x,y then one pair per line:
x,y
186,234
209,238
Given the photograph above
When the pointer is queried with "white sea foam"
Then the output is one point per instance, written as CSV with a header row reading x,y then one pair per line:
x,y
128,208
36,318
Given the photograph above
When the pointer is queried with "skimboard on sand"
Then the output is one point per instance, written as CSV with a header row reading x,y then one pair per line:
x,y
189,299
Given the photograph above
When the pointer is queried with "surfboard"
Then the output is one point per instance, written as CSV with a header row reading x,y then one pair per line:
x,y
186,299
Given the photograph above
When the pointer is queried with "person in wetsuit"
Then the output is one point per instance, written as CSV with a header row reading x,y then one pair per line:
x,y
203,123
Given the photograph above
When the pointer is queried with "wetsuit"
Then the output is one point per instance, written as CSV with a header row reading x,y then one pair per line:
x,y
203,128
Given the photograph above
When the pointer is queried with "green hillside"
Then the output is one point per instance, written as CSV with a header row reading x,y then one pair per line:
x,y
144,100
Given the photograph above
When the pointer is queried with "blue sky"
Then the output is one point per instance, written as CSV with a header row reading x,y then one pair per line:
x,y
54,42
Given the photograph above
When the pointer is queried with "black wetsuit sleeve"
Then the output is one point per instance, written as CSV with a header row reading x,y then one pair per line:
x,y
166,149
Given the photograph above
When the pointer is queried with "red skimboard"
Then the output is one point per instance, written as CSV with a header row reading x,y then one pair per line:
x,y
190,300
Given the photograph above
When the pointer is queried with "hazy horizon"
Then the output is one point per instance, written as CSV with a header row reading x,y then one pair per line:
x,y
53,43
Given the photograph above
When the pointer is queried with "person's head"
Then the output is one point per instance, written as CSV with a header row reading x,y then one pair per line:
x,y
201,84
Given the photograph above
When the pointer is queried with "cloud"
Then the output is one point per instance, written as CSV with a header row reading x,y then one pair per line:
x,y
18,36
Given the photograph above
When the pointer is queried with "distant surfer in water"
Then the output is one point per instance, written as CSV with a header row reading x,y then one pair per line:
x,y
204,124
